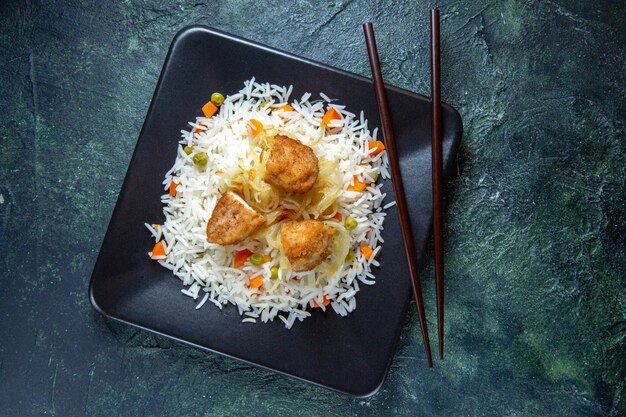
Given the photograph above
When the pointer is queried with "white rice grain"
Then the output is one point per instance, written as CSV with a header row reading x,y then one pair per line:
x,y
201,303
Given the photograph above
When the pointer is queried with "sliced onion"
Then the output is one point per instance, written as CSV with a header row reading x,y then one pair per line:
x,y
341,247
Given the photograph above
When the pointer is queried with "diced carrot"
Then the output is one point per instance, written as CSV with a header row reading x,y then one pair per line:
x,y
241,256
209,109
158,249
255,127
325,302
266,259
366,251
358,185
330,115
256,282
173,186
285,108
376,147
338,216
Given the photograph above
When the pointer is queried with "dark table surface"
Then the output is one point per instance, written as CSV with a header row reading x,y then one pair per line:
x,y
535,248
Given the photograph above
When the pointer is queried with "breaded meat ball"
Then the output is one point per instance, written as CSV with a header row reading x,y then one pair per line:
x,y
306,243
232,220
291,166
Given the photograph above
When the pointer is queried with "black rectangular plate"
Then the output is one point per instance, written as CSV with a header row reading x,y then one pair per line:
x,y
349,354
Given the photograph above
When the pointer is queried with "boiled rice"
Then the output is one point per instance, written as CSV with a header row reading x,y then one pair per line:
x,y
226,141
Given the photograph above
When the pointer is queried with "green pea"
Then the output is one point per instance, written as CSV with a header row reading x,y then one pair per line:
x,y
376,173
200,159
188,149
350,257
274,272
351,223
217,99
256,259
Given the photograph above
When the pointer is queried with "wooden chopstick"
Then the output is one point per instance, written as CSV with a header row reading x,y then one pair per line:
x,y
437,158
396,177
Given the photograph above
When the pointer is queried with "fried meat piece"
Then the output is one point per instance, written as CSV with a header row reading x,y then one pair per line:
x,y
232,220
291,166
306,243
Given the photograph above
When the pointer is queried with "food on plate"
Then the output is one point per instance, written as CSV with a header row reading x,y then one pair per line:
x,y
274,205
217,99
307,243
291,166
232,220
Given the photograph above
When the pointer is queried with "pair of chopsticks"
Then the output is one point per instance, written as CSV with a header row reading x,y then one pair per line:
x,y
398,189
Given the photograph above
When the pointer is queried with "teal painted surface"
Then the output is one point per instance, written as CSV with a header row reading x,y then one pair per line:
x,y
535,259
